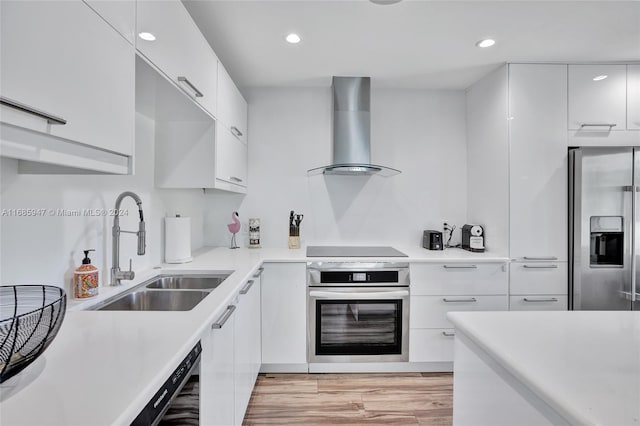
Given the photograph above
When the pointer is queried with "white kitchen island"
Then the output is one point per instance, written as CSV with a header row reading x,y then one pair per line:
x,y
538,368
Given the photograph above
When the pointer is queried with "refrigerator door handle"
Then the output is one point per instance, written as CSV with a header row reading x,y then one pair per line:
x,y
634,242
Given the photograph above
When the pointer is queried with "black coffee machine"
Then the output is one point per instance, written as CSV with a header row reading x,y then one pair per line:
x,y
432,240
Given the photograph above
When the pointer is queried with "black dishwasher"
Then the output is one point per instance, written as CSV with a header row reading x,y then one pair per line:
x,y
152,413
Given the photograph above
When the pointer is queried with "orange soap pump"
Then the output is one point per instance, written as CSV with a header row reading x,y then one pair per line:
x,y
85,279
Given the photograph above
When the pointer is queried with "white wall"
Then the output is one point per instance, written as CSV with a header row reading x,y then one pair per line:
x,y
488,158
420,132
46,250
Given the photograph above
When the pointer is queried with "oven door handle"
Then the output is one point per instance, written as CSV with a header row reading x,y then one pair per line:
x,y
358,295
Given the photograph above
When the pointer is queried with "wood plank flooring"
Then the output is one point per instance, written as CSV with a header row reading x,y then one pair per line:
x,y
352,399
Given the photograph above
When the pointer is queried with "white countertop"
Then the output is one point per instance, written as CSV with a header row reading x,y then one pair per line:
x,y
585,365
104,366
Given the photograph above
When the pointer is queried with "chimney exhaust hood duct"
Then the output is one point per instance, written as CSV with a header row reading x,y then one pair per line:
x,y
352,130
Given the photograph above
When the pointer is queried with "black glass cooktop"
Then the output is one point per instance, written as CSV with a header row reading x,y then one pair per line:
x,y
353,251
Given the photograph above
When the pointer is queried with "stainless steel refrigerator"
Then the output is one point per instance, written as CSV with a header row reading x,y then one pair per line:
x,y
604,239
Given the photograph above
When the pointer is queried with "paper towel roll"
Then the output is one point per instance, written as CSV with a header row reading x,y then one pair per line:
x,y
177,247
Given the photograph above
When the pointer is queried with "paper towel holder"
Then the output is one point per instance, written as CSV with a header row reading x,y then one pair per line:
x,y
177,247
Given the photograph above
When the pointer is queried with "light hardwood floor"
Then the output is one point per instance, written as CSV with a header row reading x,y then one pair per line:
x,y
352,399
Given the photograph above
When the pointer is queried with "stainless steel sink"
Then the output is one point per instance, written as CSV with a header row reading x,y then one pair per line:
x,y
188,282
153,300
166,293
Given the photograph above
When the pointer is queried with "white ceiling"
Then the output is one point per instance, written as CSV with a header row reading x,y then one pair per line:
x,y
412,44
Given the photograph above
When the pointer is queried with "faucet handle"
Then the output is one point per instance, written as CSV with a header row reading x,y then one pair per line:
x,y
129,275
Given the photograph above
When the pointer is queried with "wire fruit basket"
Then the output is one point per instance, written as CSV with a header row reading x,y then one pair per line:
x,y
30,317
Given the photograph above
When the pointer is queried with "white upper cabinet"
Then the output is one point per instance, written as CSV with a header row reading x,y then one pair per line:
x,y
61,58
232,108
179,50
120,14
231,161
538,162
633,97
597,96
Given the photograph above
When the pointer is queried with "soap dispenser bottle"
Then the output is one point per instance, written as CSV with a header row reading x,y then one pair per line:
x,y
85,278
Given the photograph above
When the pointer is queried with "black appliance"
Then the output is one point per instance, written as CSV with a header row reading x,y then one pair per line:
x,y
473,238
152,413
432,240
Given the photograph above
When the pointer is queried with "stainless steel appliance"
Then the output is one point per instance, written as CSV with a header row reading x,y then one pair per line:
x,y
352,130
604,231
358,311
353,251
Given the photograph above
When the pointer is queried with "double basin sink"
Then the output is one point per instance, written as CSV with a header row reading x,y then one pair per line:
x,y
166,293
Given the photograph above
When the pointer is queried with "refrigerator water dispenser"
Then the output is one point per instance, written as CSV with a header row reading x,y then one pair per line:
x,y
607,241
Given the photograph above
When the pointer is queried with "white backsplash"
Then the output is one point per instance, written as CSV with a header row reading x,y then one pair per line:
x,y
420,132
47,249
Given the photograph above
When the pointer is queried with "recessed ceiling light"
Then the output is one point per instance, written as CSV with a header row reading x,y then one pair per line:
x,y
600,77
147,36
293,38
487,42
385,2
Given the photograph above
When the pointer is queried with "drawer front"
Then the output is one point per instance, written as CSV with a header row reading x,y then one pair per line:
x,y
459,278
431,345
539,302
539,278
431,311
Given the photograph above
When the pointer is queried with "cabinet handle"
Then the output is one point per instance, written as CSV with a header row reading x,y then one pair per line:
x,y
551,299
236,131
51,119
540,266
471,299
459,266
194,88
235,179
224,318
258,273
449,333
540,258
247,287
609,125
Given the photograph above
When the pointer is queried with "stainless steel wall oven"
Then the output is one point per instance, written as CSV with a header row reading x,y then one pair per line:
x,y
358,311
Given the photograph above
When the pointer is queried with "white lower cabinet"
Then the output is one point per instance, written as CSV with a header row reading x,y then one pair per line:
x,y
437,289
230,360
284,317
538,286
217,372
539,302
431,345
431,311
246,346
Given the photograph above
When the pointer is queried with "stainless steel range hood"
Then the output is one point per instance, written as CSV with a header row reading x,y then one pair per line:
x,y
352,130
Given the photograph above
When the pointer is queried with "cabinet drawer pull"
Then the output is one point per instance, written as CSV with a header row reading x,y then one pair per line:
x,y
235,179
247,287
540,258
540,266
224,318
550,299
609,125
236,131
258,273
471,299
449,333
51,119
191,86
459,266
